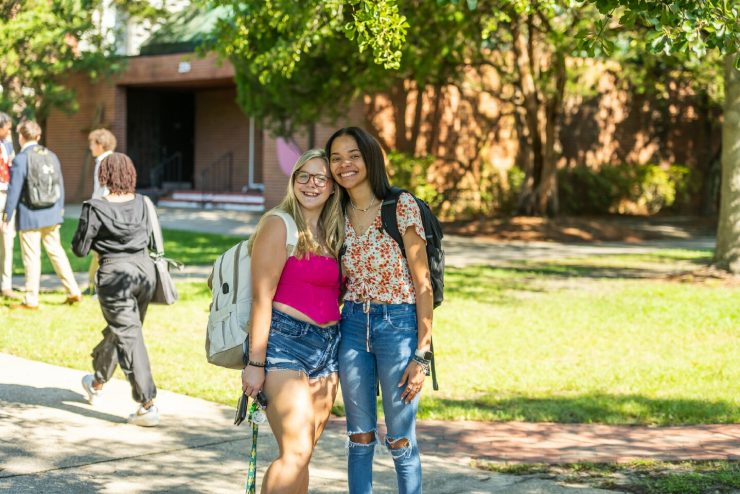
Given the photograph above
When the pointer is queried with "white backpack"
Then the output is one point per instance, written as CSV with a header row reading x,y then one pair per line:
x,y
231,305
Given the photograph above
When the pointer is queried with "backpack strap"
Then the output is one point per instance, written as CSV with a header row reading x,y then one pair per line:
x,y
291,239
235,282
156,229
389,218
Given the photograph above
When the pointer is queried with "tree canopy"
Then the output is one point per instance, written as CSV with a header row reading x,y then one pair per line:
x,y
43,41
694,29
676,26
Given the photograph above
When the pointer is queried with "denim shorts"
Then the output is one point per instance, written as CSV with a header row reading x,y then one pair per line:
x,y
302,346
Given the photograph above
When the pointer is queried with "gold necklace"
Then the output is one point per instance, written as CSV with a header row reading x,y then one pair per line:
x,y
372,203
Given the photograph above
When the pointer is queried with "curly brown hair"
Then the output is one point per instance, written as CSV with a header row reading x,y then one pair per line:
x,y
118,174
104,138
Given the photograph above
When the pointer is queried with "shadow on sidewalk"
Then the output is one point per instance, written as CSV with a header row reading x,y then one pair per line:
x,y
61,399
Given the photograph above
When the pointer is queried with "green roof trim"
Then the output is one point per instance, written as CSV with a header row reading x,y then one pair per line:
x,y
184,33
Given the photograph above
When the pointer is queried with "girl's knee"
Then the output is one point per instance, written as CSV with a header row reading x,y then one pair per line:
x,y
362,437
298,459
400,448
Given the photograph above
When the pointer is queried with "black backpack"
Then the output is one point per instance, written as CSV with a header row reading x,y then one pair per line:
x,y
435,253
432,231
43,179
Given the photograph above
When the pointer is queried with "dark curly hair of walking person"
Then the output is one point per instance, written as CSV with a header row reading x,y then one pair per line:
x,y
118,174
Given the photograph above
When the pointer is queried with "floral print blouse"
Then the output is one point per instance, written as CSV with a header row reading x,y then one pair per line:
x,y
375,267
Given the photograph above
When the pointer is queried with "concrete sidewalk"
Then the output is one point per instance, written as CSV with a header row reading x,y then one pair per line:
x,y
459,251
52,441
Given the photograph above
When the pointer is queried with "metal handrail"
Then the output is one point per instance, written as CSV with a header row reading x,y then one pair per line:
x,y
218,176
163,171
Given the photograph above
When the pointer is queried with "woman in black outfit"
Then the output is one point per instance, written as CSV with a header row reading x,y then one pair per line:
x,y
118,229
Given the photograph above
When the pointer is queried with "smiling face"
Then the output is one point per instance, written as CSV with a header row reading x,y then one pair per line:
x,y
347,164
310,195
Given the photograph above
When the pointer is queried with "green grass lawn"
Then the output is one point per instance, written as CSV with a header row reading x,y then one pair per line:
x,y
538,342
187,247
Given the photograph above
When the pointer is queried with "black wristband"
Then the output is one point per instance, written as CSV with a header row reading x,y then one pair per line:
x,y
256,364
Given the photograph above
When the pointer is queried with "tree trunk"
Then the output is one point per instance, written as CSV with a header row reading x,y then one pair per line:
x,y
522,46
547,196
727,255
416,125
399,97
435,120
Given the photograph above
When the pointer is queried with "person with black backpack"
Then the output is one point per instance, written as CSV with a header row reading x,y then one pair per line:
x,y
386,325
36,197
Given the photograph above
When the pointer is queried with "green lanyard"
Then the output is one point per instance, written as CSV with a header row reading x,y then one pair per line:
x,y
252,471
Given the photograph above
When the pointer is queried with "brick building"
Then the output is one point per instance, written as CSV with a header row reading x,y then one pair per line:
x,y
176,115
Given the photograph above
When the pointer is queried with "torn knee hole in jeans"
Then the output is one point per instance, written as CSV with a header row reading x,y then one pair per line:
x,y
399,448
354,440
362,438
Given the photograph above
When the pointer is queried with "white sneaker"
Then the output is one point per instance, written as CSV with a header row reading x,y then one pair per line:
x,y
87,385
144,417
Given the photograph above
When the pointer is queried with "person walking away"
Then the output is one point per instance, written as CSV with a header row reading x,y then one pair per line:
x,y
36,198
294,333
117,227
7,234
386,326
102,143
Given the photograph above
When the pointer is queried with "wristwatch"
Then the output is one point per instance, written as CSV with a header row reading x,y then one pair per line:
x,y
425,355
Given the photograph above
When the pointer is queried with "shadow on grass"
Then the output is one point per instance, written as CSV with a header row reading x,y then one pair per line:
x,y
586,271
498,283
487,284
585,408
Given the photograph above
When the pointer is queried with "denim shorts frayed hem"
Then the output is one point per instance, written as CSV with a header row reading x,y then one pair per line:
x,y
301,346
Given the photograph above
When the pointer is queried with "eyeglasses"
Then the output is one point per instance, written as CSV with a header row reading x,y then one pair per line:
x,y
319,180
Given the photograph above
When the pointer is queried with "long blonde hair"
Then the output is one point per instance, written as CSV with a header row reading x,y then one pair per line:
x,y
331,220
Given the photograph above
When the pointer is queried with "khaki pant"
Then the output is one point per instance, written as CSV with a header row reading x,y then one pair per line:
x,y
31,252
6,249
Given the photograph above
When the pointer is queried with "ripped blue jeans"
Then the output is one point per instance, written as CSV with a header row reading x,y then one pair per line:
x,y
377,343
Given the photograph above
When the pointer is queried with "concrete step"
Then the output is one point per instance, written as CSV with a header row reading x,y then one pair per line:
x,y
235,201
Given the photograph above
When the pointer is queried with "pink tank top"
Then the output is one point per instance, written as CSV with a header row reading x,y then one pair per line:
x,y
311,286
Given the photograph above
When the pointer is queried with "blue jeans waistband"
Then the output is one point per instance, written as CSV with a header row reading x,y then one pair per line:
x,y
278,315
383,309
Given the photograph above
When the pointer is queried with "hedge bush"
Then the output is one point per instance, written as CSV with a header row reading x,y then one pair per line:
x,y
624,189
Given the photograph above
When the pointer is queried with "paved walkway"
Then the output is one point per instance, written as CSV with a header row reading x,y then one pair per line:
x,y
52,441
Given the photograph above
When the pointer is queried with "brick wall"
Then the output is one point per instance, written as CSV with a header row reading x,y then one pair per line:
x,y
103,104
275,179
66,134
220,127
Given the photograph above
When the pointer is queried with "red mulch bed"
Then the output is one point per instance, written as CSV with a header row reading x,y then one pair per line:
x,y
582,228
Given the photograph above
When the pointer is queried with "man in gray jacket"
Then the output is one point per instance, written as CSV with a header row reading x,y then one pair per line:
x,y
37,224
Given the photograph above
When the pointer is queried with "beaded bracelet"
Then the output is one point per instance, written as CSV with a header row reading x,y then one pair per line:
x,y
423,363
256,364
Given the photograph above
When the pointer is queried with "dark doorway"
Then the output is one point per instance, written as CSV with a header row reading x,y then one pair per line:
x,y
160,137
